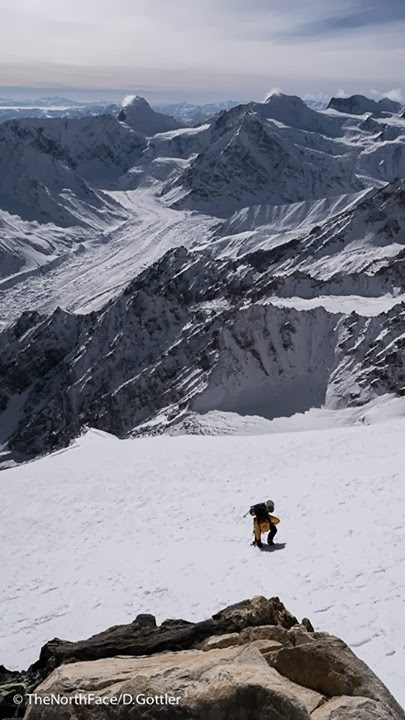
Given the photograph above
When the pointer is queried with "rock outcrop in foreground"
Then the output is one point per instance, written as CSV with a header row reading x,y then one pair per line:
x,y
251,661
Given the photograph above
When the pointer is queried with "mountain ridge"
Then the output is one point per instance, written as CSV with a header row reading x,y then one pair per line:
x,y
217,312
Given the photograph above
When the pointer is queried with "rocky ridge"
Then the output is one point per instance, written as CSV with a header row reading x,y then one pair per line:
x,y
206,329
48,169
359,105
251,660
282,151
198,333
250,159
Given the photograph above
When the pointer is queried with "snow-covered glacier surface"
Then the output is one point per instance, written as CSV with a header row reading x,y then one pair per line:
x,y
155,525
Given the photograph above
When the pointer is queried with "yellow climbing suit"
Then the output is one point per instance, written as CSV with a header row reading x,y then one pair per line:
x,y
263,526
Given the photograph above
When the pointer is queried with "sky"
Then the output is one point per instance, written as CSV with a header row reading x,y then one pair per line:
x,y
203,50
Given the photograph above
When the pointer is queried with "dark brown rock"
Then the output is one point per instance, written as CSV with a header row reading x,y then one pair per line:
x,y
307,625
7,676
136,639
10,705
174,624
145,620
257,611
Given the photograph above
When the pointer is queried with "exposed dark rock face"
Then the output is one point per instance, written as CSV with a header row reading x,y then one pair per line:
x,y
249,161
195,332
139,115
174,635
359,105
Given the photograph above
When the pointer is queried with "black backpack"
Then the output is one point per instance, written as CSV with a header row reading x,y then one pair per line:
x,y
260,510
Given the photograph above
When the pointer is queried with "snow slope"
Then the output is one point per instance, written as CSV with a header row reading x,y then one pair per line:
x,y
38,187
216,422
27,247
43,166
258,227
294,112
90,557
108,261
99,148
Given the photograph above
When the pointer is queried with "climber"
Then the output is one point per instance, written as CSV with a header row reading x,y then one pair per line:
x,y
264,522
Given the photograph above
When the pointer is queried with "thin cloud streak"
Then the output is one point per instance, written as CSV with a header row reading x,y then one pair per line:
x,y
228,48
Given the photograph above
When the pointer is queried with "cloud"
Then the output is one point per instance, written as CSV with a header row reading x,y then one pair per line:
x,y
394,94
273,91
217,48
128,99
371,13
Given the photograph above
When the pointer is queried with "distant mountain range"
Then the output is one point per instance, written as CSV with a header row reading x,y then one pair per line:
x,y
251,263
188,113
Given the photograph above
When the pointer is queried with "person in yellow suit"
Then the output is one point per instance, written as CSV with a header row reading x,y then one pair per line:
x,y
264,522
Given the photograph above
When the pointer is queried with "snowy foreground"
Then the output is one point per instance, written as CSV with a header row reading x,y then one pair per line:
x,y
109,528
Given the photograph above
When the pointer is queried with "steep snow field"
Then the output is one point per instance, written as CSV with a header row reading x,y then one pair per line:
x,y
385,408
368,306
84,280
109,528
29,249
45,266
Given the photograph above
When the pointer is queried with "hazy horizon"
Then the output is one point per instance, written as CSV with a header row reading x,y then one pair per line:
x,y
90,95
219,49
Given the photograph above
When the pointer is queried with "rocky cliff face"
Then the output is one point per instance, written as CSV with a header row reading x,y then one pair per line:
x,y
294,112
46,166
139,115
192,333
251,660
359,105
98,148
282,151
251,160
207,329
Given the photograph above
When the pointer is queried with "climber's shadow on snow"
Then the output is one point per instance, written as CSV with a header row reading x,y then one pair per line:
x,y
273,548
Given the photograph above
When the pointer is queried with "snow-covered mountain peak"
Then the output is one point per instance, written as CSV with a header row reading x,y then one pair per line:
x,y
96,147
360,105
136,101
294,112
284,102
253,160
50,168
139,115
